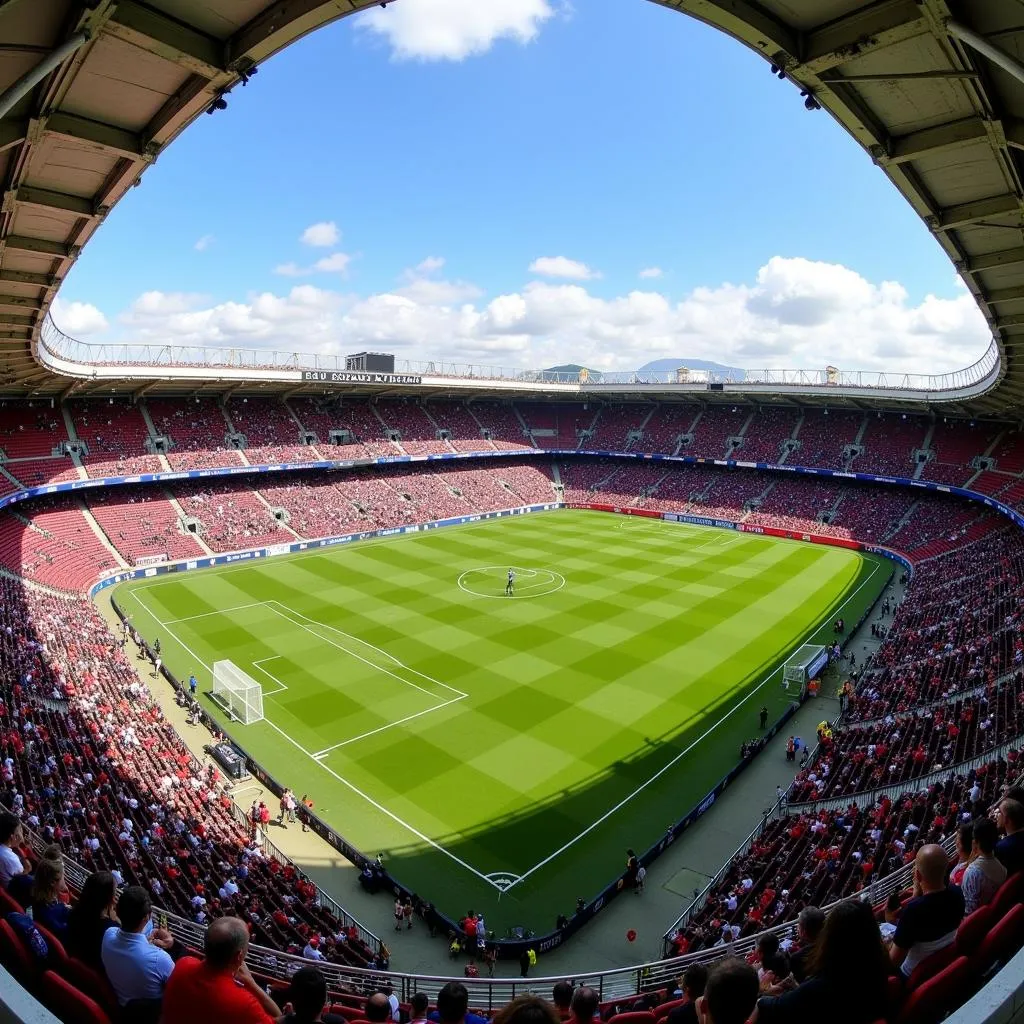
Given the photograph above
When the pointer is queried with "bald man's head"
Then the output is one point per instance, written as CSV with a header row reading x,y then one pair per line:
x,y
932,866
227,940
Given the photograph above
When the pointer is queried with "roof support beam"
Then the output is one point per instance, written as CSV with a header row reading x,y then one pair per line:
x,y
904,148
19,302
24,277
992,260
80,206
40,246
879,25
971,213
1000,295
96,133
12,133
165,37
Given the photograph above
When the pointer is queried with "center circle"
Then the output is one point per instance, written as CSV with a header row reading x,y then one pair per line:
x,y
492,581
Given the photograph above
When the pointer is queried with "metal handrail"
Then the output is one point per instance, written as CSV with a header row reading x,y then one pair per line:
x,y
55,344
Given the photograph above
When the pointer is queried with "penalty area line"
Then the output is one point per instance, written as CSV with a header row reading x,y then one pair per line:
x,y
330,771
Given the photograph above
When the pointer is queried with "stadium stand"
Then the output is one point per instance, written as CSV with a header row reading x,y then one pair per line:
x,y
115,435
197,431
768,431
272,434
890,441
823,436
141,522
954,638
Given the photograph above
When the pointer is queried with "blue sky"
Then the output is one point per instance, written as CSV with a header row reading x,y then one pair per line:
x,y
590,143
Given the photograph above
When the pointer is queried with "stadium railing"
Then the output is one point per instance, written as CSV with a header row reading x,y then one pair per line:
x,y
868,797
57,347
273,852
484,993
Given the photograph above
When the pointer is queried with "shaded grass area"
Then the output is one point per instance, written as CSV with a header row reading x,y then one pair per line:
x,y
465,734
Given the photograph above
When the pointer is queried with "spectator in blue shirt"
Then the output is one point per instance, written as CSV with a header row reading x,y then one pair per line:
x,y
136,966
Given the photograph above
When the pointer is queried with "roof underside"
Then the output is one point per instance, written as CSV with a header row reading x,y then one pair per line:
x,y
944,122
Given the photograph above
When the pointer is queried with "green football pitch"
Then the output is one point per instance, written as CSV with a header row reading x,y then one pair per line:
x,y
503,751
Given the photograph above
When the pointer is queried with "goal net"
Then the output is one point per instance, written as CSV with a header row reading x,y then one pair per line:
x,y
238,693
806,664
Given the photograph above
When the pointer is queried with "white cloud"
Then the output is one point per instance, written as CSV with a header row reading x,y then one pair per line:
x,y
562,266
323,234
204,243
796,314
78,319
336,263
453,29
650,273
429,265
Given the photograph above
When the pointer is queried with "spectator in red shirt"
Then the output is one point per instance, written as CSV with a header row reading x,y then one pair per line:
x,y
220,987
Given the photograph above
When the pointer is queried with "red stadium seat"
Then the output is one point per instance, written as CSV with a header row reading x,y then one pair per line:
x,y
633,1017
91,982
973,929
931,966
932,1000
1009,894
1002,941
16,956
661,1012
72,1006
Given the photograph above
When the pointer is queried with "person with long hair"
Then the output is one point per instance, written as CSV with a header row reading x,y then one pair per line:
x,y
527,1009
964,849
90,917
48,893
846,974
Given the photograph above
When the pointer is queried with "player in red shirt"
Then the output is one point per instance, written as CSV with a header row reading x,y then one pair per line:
x,y
220,987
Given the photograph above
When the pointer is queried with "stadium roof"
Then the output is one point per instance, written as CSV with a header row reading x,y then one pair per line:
x,y
933,90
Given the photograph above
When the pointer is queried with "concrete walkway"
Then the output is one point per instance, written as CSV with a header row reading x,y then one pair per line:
x,y
602,945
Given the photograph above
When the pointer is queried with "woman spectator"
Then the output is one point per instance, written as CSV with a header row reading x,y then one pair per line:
x,y
48,893
964,845
527,1009
847,974
90,917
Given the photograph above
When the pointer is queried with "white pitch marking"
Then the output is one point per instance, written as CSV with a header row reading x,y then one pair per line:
x,y
675,760
222,611
259,664
359,657
529,573
330,771
390,725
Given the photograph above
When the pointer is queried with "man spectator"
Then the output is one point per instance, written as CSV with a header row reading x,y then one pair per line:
x,y
730,994
311,951
136,966
584,1005
808,928
396,1013
694,981
561,996
219,987
378,1010
307,996
453,1006
11,864
929,921
1010,850
984,873
418,1006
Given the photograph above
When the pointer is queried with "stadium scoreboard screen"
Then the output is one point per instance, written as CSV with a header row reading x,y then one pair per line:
x,y
358,377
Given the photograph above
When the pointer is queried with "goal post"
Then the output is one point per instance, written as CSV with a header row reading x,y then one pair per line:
x,y
237,692
802,666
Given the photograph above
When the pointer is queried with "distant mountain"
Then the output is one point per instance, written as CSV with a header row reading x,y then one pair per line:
x,y
690,364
